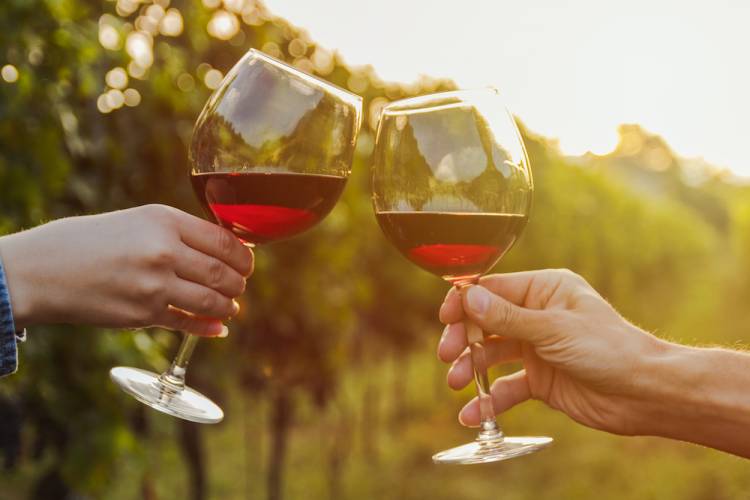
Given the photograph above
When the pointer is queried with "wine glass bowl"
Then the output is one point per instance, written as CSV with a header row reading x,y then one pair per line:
x,y
272,149
451,163
452,191
270,154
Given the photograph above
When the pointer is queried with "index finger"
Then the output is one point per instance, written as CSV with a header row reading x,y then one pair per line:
x,y
216,241
452,310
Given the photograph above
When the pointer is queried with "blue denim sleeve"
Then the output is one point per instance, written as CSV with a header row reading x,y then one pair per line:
x,y
8,351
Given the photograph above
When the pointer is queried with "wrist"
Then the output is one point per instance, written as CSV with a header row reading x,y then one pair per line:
x,y
19,279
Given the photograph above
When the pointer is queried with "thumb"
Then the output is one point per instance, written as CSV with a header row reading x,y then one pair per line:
x,y
497,316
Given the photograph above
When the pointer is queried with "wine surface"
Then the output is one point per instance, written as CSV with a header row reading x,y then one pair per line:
x,y
262,207
458,247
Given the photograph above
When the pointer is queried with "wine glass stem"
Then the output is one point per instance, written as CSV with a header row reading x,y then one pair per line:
x,y
174,377
489,430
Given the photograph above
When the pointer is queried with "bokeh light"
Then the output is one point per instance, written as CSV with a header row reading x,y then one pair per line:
x,y
137,71
146,24
202,69
115,98
252,17
139,47
9,73
155,12
117,78
297,48
213,78
357,83
223,25
272,49
211,4
303,64
185,82
323,61
102,104
236,6
109,37
125,8
171,24
132,97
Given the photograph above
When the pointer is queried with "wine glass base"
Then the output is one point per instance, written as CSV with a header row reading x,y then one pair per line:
x,y
185,403
481,452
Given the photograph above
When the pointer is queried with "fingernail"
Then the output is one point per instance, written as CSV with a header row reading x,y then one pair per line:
x,y
443,335
462,416
235,307
440,342
478,299
224,332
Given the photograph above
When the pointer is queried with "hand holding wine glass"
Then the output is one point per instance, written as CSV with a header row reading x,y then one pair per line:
x,y
579,355
584,359
181,272
452,191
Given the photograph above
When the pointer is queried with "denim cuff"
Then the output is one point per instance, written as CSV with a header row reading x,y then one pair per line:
x,y
8,348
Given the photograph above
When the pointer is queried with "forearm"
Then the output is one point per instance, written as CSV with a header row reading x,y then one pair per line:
x,y
16,251
700,395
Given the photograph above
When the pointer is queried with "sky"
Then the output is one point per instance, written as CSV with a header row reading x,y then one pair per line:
x,y
569,69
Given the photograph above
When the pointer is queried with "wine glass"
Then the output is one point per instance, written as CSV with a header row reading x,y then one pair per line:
x,y
452,190
270,153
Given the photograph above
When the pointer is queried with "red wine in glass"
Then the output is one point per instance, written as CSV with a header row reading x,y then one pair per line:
x,y
459,247
261,207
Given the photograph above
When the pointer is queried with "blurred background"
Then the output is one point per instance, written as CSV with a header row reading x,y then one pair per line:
x,y
329,380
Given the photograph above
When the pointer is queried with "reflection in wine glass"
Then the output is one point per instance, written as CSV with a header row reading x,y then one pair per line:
x,y
452,191
271,152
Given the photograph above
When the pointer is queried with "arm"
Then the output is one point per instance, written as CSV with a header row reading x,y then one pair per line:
x,y
698,395
150,265
582,358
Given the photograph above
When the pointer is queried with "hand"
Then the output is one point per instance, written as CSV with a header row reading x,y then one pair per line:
x,y
150,265
579,355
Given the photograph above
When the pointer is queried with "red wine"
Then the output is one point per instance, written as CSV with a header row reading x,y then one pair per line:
x,y
456,246
261,207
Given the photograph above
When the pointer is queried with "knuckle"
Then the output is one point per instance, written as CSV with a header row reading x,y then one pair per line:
x,y
162,254
151,292
216,271
504,317
510,317
208,302
570,276
158,212
224,242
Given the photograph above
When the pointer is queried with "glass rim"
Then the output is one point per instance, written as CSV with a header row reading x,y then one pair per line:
x,y
315,80
438,101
